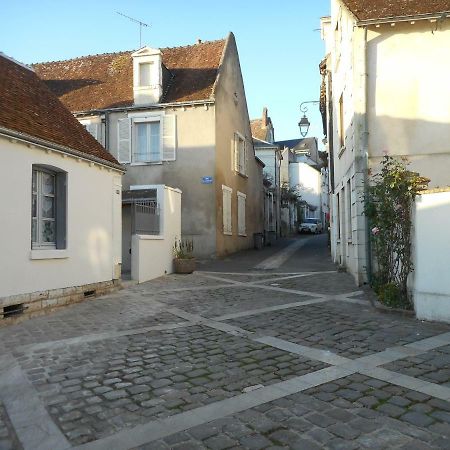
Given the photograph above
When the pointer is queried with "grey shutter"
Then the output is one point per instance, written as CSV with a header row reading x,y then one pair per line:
x,y
124,140
169,130
61,210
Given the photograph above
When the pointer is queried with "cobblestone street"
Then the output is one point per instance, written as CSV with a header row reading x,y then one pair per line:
x,y
233,356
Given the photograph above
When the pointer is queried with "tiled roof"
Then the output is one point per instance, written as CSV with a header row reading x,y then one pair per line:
x,y
106,81
257,129
383,9
28,107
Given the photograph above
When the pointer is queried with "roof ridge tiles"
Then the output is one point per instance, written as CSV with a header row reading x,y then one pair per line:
x,y
122,52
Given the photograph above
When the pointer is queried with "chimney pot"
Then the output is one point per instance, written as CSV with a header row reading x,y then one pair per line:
x,y
199,41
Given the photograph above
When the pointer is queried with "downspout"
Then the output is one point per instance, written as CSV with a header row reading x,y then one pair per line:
x,y
365,156
107,131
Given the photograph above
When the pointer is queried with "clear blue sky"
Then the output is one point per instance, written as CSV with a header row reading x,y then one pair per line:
x,y
279,42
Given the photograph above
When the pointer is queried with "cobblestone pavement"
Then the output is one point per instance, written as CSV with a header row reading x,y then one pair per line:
x,y
230,357
8,438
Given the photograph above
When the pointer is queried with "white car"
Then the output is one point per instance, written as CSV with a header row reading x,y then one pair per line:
x,y
311,226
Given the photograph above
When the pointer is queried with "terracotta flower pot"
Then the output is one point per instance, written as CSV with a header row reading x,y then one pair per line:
x,y
184,265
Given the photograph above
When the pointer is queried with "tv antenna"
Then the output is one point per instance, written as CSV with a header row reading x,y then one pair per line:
x,y
141,24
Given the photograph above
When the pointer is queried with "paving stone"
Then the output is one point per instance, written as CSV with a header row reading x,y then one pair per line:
x,y
220,443
418,419
254,442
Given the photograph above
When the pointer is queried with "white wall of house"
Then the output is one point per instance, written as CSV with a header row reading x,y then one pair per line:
x,y
93,252
384,102
431,244
408,96
308,182
152,256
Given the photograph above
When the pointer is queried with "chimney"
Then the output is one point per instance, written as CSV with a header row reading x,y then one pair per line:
x,y
147,76
199,41
264,117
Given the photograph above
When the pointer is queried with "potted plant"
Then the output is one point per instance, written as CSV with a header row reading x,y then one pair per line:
x,y
184,261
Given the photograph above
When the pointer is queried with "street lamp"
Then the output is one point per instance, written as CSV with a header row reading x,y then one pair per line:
x,y
304,123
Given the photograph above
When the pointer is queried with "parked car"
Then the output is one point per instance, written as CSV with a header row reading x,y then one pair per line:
x,y
311,226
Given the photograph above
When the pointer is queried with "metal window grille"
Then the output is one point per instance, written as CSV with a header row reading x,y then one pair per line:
x,y
146,217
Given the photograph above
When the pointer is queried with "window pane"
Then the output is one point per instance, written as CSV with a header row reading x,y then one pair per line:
x,y
34,181
34,206
48,183
34,230
142,142
144,74
48,231
48,207
154,142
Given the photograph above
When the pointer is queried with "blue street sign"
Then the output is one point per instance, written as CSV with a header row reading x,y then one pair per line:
x,y
207,180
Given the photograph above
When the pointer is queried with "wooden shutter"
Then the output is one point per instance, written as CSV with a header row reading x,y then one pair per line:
x,y
236,152
226,207
61,210
124,140
241,214
169,130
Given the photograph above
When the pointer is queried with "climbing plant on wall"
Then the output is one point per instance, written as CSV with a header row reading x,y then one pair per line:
x,y
389,201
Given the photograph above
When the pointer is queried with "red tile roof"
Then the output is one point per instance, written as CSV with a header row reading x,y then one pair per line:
x,y
28,107
106,81
257,129
383,9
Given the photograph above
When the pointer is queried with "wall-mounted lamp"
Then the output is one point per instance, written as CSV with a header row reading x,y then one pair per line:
x,y
304,123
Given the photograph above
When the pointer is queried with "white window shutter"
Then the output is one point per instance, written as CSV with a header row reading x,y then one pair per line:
x,y
124,140
236,152
241,214
93,129
169,127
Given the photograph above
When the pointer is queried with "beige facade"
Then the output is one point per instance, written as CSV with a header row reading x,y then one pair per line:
x,y
387,94
203,140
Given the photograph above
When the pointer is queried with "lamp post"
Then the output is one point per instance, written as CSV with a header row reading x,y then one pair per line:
x,y
304,123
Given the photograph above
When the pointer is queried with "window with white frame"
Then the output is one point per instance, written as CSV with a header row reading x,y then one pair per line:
x,y
226,208
48,209
146,139
241,198
240,154
147,146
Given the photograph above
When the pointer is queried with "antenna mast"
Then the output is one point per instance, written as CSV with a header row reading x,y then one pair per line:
x,y
141,24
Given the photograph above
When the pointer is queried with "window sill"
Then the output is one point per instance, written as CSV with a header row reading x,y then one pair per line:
x,y
146,163
243,234
243,175
150,237
228,233
341,151
49,254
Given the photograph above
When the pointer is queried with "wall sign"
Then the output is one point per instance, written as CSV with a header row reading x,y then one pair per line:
x,y
207,180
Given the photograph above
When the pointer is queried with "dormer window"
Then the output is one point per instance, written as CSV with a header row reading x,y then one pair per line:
x,y
145,70
148,72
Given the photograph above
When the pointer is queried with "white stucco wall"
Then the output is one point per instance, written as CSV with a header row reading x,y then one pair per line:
x,y
93,222
408,96
152,256
308,181
431,285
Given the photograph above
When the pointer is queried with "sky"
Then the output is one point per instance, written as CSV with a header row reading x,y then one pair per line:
x,y
279,42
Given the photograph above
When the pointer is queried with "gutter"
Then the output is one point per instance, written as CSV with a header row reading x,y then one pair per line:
x,y
384,20
59,148
143,107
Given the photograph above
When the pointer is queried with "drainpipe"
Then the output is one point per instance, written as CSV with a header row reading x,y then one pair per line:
x,y
365,155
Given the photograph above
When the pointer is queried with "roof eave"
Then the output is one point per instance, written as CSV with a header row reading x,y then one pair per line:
x,y
144,107
59,148
410,18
